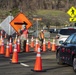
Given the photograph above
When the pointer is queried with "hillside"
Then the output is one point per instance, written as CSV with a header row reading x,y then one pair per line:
x,y
52,12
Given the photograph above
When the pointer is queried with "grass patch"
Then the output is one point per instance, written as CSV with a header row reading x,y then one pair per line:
x,y
50,12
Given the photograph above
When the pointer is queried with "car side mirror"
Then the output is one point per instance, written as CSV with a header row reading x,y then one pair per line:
x,y
61,42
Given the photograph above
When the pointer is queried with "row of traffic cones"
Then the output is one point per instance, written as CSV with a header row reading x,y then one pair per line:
x,y
49,46
38,62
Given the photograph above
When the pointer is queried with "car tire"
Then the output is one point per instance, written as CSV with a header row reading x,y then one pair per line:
x,y
74,63
58,59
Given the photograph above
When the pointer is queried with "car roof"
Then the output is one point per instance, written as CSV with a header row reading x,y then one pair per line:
x,y
69,27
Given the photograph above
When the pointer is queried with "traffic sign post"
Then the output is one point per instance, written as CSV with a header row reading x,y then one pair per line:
x,y
20,20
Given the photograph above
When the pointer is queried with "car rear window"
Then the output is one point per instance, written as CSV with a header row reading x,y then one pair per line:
x,y
67,31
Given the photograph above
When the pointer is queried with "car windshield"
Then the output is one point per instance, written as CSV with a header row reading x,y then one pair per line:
x,y
67,31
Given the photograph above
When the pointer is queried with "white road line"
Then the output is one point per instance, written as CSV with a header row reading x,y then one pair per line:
x,y
24,64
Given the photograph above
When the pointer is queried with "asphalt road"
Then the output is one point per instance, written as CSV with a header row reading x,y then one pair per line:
x,y
26,63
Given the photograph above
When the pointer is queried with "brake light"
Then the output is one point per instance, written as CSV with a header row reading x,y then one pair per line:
x,y
68,50
57,36
72,52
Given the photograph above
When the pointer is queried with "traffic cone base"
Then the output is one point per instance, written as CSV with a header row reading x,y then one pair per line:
x,y
38,70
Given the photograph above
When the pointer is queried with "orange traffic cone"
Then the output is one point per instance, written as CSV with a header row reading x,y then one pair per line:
x,y
27,46
32,42
38,62
7,54
10,45
5,36
15,40
49,45
15,55
2,47
18,45
1,33
36,45
44,46
0,41
1,36
0,44
53,46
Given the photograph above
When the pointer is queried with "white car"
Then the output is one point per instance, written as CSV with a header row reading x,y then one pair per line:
x,y
63,34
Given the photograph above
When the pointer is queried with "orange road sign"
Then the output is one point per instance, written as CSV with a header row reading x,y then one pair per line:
x,y
20,20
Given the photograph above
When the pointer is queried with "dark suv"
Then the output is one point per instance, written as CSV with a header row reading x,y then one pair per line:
x,y
66,53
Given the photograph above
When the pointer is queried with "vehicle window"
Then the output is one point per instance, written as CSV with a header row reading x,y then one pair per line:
x,y
74,40
67,31
68,40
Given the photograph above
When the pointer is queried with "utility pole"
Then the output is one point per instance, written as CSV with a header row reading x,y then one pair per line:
x,y
9,26
37,19
67,4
